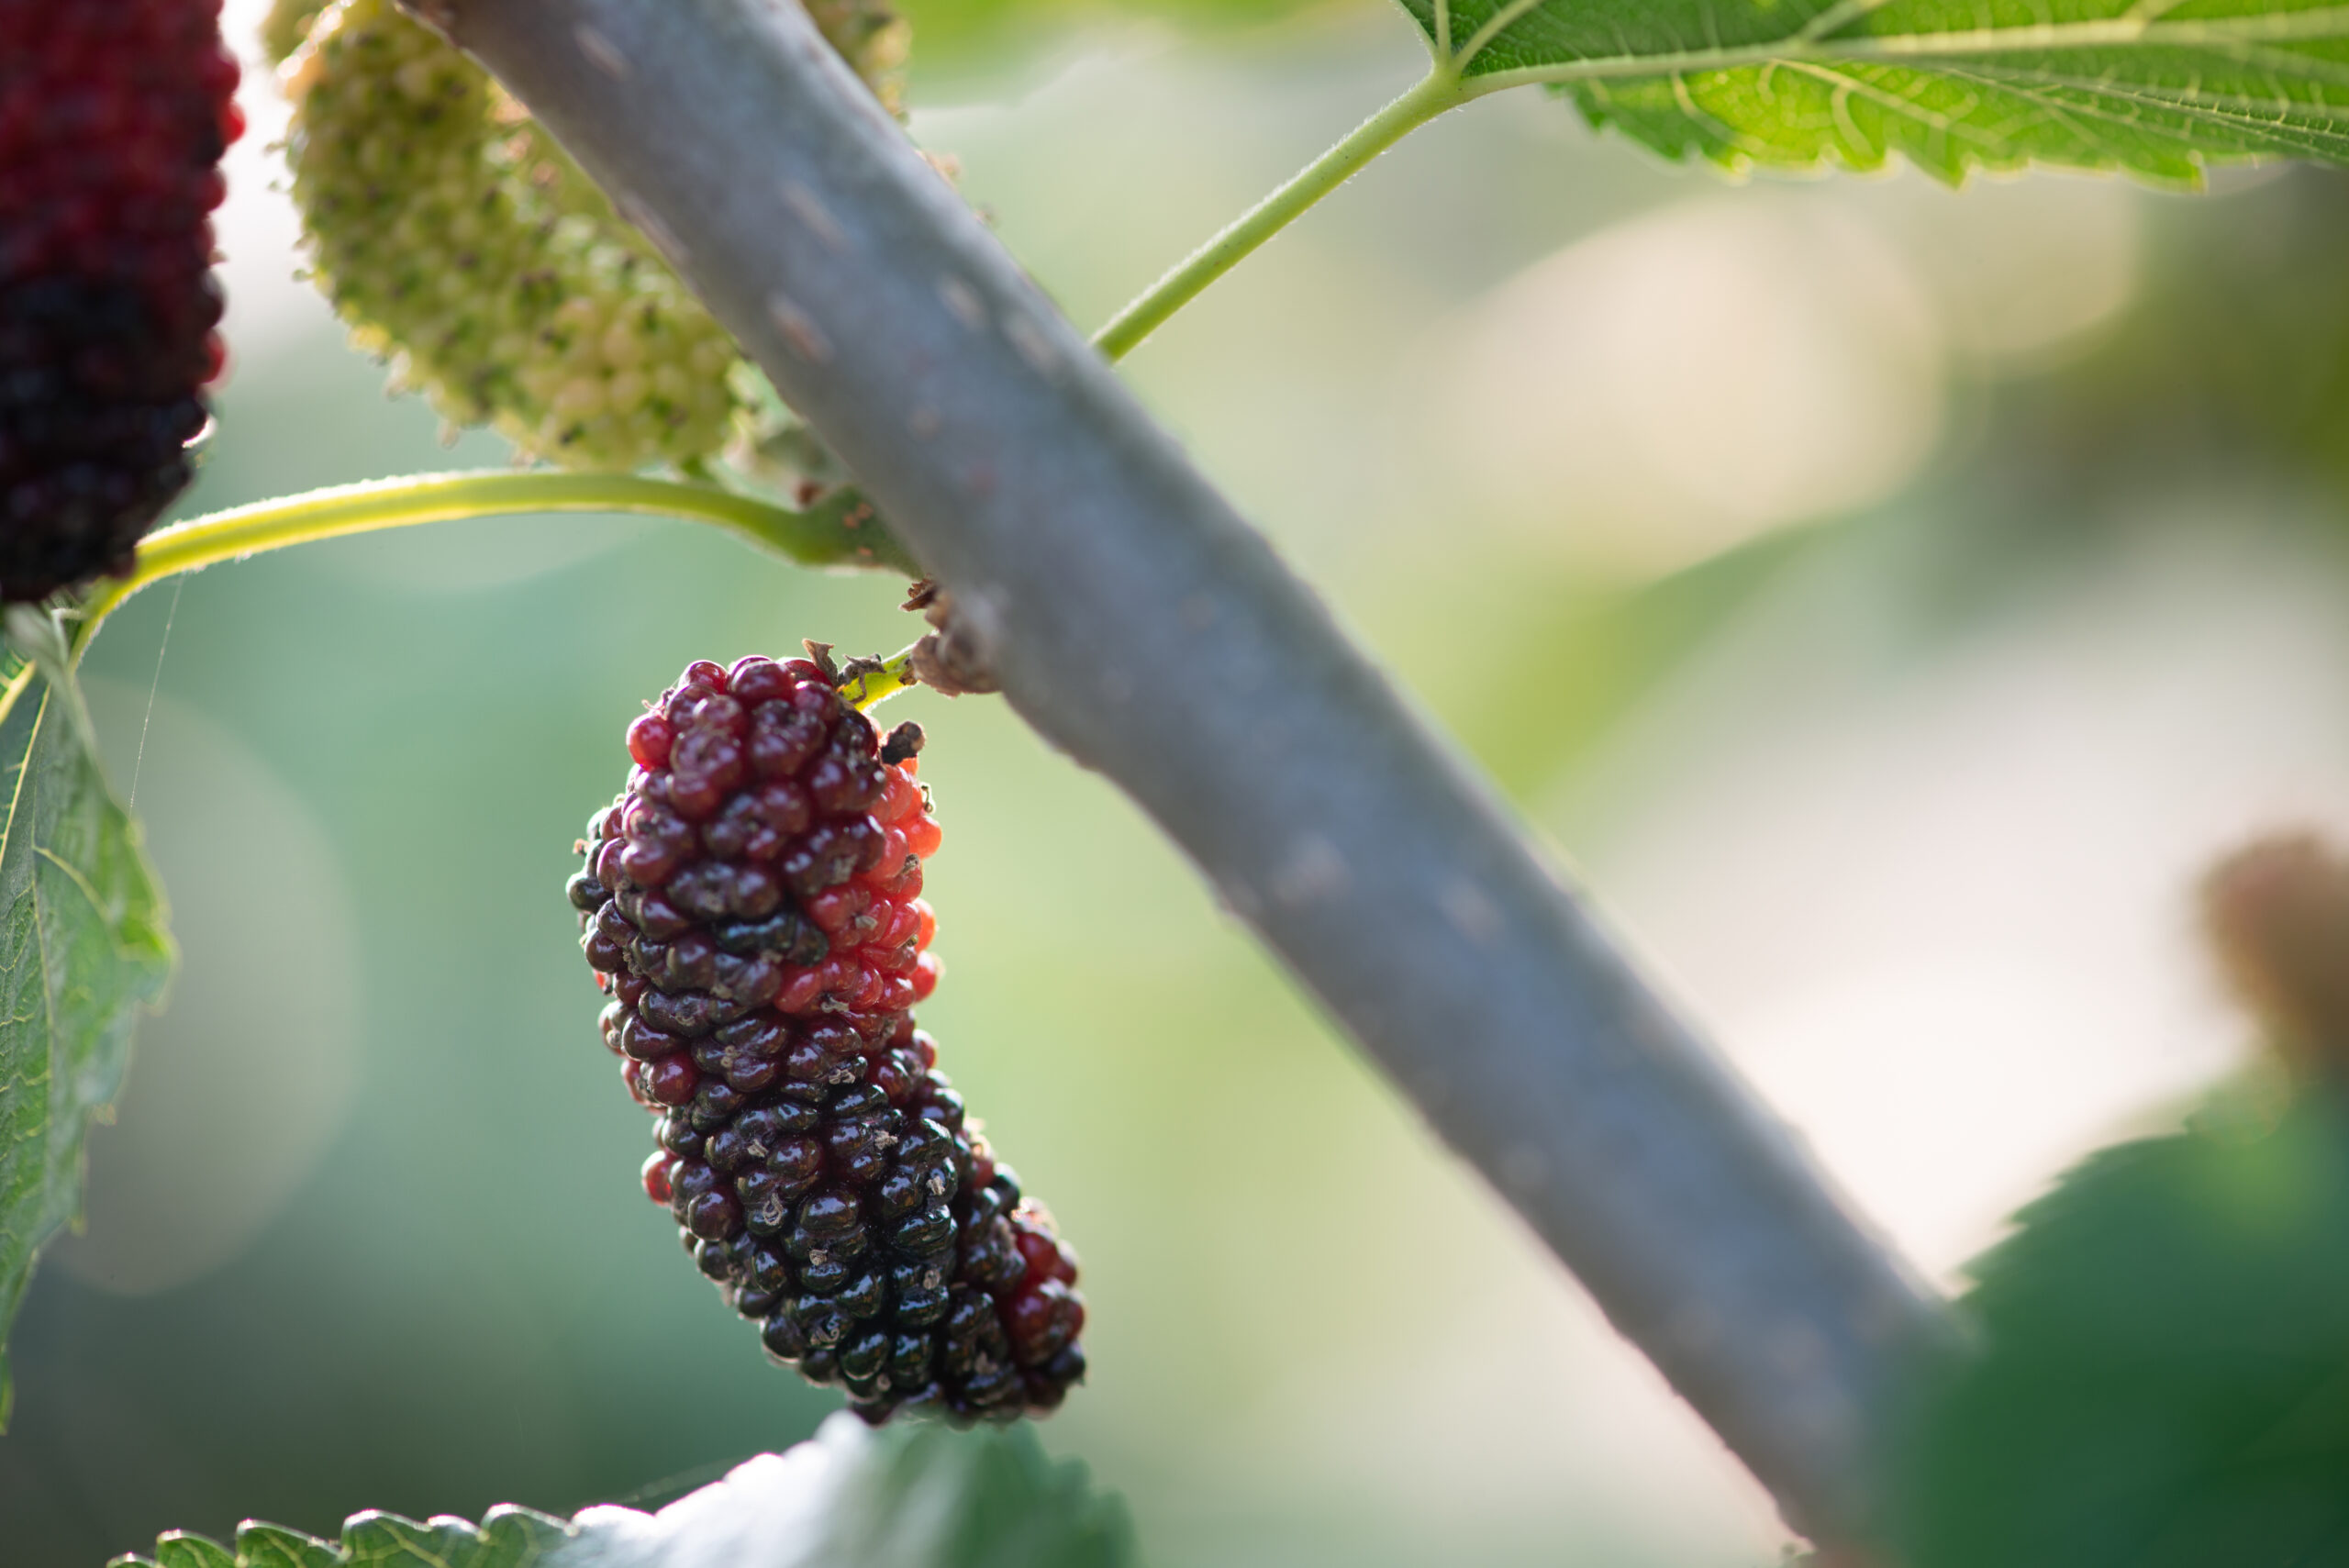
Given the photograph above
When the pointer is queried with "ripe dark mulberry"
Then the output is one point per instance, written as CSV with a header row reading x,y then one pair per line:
x,y
113,119
752,903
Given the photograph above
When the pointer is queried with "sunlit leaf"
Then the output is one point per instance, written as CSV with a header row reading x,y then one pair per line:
x,y
507,1538
84,946
2164,1376
921,1497
2157,87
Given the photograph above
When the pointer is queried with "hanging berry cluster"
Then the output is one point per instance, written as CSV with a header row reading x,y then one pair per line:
x,y
456,240
753,905
460,242
113,119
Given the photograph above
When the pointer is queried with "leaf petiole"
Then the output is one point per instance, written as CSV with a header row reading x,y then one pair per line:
x,y
1440,91
840,530
2278,49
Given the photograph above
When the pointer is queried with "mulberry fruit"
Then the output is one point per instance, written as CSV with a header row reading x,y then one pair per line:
x,y
457,239
113,119
286,27
873,38
459,242
752,904
287,24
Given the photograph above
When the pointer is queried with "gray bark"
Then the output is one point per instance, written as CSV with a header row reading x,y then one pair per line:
x,y
1144,628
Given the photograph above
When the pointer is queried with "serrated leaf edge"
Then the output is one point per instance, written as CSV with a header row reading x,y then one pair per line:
x,y
1980,55
376,1537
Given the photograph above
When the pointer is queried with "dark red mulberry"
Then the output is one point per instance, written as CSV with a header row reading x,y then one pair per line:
x,y
113,119
752,904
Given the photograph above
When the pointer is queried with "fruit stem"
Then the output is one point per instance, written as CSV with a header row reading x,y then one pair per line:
x,y
1439,91
840,530
864,688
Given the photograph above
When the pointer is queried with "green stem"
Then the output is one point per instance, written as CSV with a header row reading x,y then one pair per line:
x,y
865,689
1439,91
840,530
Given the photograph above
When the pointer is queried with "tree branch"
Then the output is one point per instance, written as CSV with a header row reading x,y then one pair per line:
x,y
1137,622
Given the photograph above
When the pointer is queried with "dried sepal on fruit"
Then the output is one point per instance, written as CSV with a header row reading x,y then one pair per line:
x,y
752,904
113,119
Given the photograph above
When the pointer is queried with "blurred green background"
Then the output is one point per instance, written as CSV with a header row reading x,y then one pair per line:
x,y
1887,596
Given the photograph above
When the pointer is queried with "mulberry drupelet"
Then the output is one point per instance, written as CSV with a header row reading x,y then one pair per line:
x,y
753,905
113,119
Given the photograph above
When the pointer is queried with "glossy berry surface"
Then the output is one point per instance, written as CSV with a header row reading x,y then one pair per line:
x,y
751,905
113,117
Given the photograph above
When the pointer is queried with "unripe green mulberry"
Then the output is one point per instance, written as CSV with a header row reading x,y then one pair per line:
x,y
870,36
873,38
455,239
460,242
287,24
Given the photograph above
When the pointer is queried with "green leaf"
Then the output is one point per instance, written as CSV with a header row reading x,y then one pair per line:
x,y
180,1549
84,946
508,1538
850,1497
274,1546
2164,1376
2159,88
